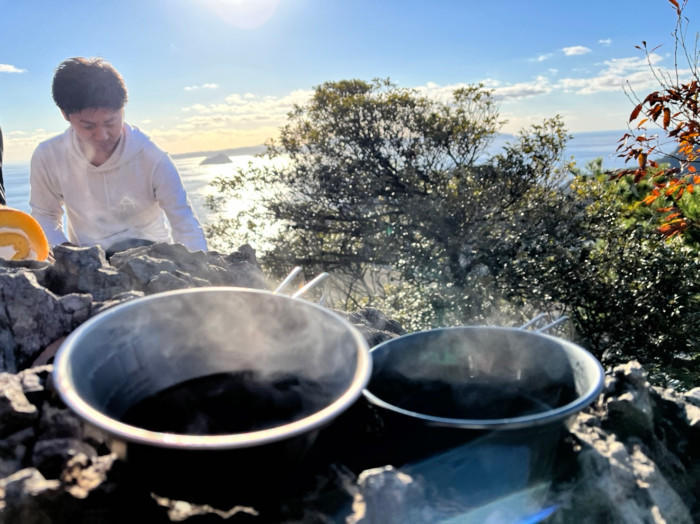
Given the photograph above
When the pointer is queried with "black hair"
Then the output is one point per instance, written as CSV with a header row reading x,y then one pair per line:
x,y
81,83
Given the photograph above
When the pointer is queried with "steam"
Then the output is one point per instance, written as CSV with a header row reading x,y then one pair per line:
x,y
148,345
473,373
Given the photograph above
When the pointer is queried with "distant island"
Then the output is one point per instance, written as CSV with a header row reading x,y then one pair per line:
x,y
219,158
234,151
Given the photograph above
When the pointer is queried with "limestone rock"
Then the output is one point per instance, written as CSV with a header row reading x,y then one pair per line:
x,y
50,456
85,270
16,412
33,317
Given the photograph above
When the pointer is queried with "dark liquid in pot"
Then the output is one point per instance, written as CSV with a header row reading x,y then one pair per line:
x,y
224,403
477,400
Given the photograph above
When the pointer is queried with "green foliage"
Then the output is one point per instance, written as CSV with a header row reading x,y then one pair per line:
x,y
391,192
629,293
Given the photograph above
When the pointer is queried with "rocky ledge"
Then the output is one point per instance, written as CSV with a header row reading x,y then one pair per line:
x,y
633,456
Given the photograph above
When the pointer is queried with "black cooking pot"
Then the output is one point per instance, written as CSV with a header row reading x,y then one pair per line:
x,y
476,411
276,369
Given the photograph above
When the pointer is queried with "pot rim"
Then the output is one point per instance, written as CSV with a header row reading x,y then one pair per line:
x,y
64,384
525,421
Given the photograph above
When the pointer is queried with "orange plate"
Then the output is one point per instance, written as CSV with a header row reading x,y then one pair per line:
x,y
16,219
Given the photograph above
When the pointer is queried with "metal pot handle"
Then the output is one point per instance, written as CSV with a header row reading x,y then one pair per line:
x,y
547,327
310,284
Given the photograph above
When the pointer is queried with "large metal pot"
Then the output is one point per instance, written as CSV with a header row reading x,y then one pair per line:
x,y
475,411
141,347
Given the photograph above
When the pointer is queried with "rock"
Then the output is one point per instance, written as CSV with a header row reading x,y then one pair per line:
x,y
59,423
16,412
50,456
633,453
632,456
33,317
13,449
27,497
186,268
374,325
85,270
387,496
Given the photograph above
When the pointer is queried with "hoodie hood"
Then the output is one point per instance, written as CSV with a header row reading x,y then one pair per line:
x,y
131,143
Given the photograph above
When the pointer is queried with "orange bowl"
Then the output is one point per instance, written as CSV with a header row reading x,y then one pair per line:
x,y
22,232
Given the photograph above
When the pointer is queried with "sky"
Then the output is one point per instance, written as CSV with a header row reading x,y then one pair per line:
x,y
216,74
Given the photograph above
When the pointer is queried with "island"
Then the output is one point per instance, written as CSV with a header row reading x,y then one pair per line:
x,y
219,158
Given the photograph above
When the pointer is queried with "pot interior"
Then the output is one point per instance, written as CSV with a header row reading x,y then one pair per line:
x,y
482,376
267,360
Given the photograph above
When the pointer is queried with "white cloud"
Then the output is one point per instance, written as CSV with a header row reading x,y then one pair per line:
x,y
19,145
605,41
241,119
501,91
542,57
539,86
576,50
202,86
621,66
7,68
618,72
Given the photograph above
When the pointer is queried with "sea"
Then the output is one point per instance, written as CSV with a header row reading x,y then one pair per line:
x,y
583,147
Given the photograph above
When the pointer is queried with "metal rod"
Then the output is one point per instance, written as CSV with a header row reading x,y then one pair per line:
x,y
531,322
312,283
288,279
552,324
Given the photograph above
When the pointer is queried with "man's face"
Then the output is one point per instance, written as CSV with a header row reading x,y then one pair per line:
x,y
98,131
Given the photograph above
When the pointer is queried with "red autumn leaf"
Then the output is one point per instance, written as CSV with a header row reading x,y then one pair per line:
x,y
667,117
635,112
692,169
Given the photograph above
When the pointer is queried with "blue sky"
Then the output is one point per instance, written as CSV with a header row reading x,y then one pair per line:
x,y
213,74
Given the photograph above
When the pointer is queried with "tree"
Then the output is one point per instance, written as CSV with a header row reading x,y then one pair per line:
x,y
394,195
391,191
675,110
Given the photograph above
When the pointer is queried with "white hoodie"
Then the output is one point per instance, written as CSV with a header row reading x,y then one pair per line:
x,y
125,197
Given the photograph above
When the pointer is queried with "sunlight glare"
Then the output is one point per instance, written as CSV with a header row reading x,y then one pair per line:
x,y
243,14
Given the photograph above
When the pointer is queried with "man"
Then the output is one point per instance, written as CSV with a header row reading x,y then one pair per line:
x,y
114,183
3,199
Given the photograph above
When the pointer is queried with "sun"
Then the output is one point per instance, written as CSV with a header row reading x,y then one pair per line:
x,y
243,14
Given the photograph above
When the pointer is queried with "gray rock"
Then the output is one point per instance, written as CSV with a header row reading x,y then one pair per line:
x,y
165,281
13,449
387,496
85,270
50,456
99,307
633,452
58,422
33,317
16,412
34,382
197,268
27,497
